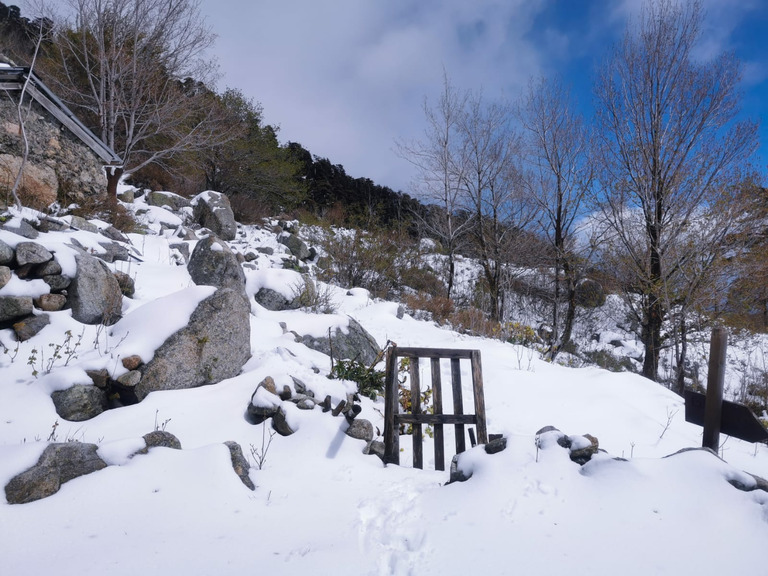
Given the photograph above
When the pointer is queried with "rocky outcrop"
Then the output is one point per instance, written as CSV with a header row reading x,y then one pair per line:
x,y
295,245
213,264
212,347
213,211
58,464
94,294
13,308
354,343
174,201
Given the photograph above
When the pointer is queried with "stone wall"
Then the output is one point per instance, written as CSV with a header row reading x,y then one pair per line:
x,y
59,166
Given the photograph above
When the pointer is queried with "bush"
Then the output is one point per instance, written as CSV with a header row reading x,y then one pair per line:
x,y
370,382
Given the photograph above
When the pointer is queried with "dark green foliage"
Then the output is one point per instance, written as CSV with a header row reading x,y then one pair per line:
x,y
353,202
604,359
370,382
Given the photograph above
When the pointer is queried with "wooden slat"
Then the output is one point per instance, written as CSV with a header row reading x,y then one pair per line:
x,y
437,418
391,404
477,388
458,404
418,439
437,402
433,353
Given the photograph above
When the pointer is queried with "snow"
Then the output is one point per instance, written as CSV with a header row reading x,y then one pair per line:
x,y
323,507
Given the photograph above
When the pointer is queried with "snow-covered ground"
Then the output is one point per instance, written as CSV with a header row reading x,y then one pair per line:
x,y
323,507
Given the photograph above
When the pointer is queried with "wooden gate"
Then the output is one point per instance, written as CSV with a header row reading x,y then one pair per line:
x,y
416,418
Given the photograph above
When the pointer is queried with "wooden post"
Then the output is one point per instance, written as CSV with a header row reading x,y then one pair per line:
x,y
416,432
458,404
715,383
391,433
437,402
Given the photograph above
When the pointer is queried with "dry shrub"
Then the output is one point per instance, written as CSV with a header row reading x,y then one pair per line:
x,y
108,210
475,322
439,307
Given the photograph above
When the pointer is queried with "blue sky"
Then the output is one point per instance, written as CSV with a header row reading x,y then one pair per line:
x,y
347,78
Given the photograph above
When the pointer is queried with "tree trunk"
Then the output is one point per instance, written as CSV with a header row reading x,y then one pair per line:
x,y
114,173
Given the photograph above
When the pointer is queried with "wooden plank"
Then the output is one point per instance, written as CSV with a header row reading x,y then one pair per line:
x,y
477,387
736,419
433,353
391,404
434,419
418,439
437,403
458,404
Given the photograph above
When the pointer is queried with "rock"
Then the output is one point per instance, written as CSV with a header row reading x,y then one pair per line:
x,y
212,210
94,294
280,424
131,362
79,223
13,308
130,379
6,253
114,234
57,283
305,403
160,439
58,464
100,378
174,201
212,347
40,182
360,429
31,253
496,445
274,300
5,275
400,312
127,195
268,250
80,402
183,249
113,252
295,244
269,385
250,256
240,464
126,284
376,448
46,269
21,227
29,327
583,448
456,473
213,264
354,344
50,302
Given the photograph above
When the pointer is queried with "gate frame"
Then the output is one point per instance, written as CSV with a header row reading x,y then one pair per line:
x,y
393,419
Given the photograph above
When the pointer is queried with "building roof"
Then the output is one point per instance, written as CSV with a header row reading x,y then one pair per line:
x,y
13,78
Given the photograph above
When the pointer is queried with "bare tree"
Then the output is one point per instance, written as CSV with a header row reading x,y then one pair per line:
x,y
668,144
558,154
493,190
136,70
440,171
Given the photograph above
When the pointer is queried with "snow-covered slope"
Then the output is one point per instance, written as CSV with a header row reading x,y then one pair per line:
x,y
323,507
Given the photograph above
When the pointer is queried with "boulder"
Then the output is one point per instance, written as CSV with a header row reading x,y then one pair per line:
x,y
360,429
295,245
80,402
280,423
212,347
239,463
13,308
212,263
174,201
94,294
31,253
213,211
161,439
30,326
355,344
58,464
50,302
6,253
5,275
79,223
49,268
274,300
57,282
20,227
112,252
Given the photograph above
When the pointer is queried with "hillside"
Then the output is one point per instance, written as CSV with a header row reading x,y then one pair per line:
x,y
320,505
